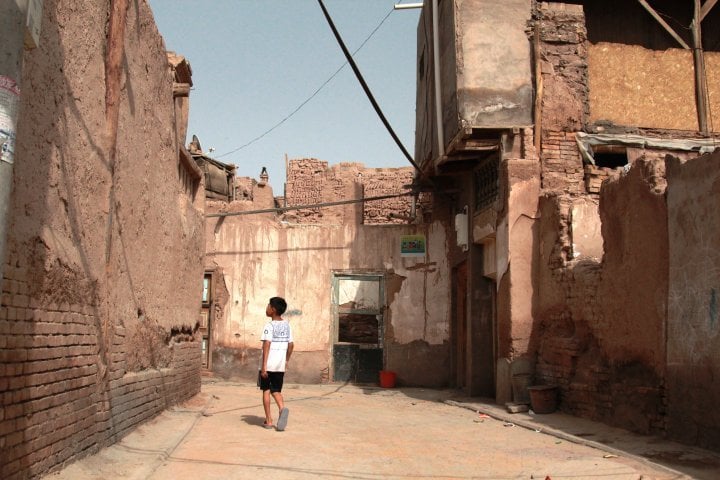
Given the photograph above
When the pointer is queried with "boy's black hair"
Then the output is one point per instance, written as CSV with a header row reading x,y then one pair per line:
x,y
279,304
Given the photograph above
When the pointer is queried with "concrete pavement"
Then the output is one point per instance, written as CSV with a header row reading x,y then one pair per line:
x,y
344,431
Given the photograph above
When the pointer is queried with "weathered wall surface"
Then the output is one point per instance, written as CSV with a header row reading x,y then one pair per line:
x,y
493,79
261,257
601,335
629,86
562,44
105,247
485,70
693,365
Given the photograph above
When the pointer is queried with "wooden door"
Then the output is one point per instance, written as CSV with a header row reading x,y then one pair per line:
x,y
460,323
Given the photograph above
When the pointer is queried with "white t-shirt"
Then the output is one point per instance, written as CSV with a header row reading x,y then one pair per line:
x,y
279,333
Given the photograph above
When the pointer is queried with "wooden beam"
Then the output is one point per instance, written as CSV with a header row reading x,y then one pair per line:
x,y
701,98
709,4
664,24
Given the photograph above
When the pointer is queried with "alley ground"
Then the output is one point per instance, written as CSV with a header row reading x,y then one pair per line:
x,y
350,432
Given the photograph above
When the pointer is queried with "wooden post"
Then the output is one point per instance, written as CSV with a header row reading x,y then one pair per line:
x,y
700,75
538,89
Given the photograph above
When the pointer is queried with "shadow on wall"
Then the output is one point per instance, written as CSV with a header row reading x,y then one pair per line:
x,y
598,332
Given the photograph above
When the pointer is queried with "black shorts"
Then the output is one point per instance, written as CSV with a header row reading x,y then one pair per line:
x,y
273,382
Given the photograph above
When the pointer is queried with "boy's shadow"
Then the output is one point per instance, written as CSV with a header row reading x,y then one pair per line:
x,y
253,420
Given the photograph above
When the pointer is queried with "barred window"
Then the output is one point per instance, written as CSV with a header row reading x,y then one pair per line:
x,y
486,183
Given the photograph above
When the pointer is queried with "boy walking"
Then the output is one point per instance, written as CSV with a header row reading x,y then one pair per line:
x,y
277,346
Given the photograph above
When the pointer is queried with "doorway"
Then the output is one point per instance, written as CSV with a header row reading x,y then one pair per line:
x,y
206,311
358,328
459,324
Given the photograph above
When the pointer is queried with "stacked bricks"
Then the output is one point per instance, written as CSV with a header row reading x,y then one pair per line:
x,y
565,104
311,181
562,166
58,402
387,181
595,176
306,180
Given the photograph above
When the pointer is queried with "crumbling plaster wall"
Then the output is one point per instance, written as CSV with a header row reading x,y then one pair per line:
x,y
608,355
599,314
693,364
104,250
263,256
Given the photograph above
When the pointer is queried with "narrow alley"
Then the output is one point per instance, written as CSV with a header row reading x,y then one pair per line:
x,y
344,431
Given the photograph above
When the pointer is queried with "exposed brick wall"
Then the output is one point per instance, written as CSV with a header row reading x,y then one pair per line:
x,y
312,181
54,408
600,333
595,176
565,100
309,182
101,242
244,188
562,167
386,181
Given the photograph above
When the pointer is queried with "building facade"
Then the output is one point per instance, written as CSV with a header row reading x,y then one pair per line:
x,y
101,280
554,121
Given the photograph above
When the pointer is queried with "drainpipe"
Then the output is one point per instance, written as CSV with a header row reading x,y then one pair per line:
x,y
438,89
12,28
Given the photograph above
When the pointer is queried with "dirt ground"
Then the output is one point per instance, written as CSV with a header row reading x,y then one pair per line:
x,y
342,431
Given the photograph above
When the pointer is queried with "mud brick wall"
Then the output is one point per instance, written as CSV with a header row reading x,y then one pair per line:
x,y
103,267
562,166
386,181
244,188
601,332
54,406
312,181
595,176
565,105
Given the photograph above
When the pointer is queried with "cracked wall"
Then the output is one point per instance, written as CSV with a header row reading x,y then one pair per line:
x,y
94,341
295,255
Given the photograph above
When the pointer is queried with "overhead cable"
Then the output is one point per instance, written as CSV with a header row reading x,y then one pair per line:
x,y
306,207
310,97
365,87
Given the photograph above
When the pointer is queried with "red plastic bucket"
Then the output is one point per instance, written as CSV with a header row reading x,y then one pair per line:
x,y
387,379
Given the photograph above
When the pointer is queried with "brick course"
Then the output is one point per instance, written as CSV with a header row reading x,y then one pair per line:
x,y
54,407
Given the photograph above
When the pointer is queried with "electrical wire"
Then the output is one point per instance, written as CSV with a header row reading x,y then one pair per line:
x,y
366,89
307,207
287,117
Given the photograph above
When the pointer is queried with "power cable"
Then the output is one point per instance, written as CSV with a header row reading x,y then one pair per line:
x,y
307,207
365,87
266,132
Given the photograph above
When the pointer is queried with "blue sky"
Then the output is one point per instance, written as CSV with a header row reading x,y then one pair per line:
x,y
255,61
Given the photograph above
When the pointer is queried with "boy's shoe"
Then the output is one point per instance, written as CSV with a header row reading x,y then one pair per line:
x,y
282,420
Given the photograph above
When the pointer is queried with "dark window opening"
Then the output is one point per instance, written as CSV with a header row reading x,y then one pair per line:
x,y
358,328
610,156
610,160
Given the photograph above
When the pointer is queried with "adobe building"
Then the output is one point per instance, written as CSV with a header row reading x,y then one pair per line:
x,y
105,237
366,280
572,133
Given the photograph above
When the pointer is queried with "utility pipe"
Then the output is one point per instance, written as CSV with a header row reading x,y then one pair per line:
x,y
12,31
405,6
438,86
